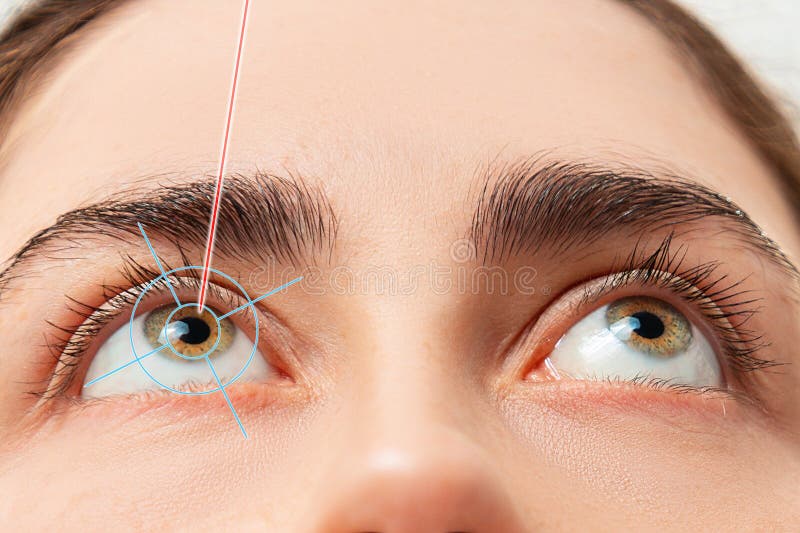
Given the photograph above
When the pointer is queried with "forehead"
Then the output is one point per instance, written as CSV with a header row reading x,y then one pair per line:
x,y
371,99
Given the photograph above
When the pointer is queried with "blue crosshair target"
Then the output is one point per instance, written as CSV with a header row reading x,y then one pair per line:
x,y
166,342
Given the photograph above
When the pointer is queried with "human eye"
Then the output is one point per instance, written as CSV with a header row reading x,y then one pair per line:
x,y
148,335
172,344
660,322
637,338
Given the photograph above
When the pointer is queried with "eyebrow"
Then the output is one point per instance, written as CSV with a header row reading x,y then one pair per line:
x,y
533,204
262,217
522,207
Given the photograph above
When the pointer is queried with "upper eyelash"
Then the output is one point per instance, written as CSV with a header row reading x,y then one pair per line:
x,y
68,345
717,297
663,268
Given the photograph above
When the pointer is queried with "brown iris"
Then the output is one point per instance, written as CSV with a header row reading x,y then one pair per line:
x,y
197,333
661,329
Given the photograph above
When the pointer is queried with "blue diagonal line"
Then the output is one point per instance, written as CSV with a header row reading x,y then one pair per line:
x,y
158,262
227,399
126,365
251,302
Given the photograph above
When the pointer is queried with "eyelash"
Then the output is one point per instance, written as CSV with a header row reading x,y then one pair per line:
x,y
714,295
662,269
69,345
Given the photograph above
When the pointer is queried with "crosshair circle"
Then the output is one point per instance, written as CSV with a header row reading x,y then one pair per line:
x,y
183,355
163,276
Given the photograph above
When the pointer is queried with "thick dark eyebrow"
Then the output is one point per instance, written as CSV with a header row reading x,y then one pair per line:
x,y
262,217
534,204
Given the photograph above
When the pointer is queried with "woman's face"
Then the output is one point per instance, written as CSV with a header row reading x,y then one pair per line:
x,y
529,300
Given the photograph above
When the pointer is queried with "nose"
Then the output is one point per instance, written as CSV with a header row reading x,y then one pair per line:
x,y
410,460
398,490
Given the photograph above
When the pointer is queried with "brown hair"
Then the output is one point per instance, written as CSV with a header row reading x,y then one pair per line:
x,y
36,35
42,30
739,94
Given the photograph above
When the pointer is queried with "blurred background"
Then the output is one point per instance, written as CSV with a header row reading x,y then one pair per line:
x,y
765,33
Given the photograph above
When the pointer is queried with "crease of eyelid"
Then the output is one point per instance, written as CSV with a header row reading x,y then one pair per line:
x,y
666,268
67,345
717,297
542,203
263,217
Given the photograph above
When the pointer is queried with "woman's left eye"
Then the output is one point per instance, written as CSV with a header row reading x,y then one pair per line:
x,y
189,341
636,338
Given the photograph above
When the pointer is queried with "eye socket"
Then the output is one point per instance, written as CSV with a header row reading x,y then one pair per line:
x,y
181,365
636,338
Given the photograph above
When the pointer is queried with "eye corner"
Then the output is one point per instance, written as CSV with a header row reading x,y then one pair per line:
x,y
621,335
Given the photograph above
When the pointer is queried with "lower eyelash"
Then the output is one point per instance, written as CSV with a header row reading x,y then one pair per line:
x,y
698,286
663,269
672,386
68,345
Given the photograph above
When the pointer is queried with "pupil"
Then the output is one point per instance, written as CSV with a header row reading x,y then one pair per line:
x,y
198,330
650,326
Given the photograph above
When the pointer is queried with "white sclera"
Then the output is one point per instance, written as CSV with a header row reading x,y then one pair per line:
x,y
168,368
591,350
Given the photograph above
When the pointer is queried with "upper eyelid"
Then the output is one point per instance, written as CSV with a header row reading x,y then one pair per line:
x,y
149,272
549,325
116,300
531,357
734,371
696,283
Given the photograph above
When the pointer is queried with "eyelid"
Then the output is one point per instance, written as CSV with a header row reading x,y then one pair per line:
x,y
104,320
74,354
539,339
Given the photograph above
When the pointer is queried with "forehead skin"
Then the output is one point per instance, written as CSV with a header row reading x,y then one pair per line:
x,y
371,100
390,108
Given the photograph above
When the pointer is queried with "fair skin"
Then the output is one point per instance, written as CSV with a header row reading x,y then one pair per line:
x,y
424,410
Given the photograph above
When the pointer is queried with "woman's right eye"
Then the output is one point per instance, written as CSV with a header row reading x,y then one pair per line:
x,y
636,338
174,347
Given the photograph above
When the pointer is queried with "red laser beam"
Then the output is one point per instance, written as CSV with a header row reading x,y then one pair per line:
x,y
212,227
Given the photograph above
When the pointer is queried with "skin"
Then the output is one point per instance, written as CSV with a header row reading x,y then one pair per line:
x,y
404,412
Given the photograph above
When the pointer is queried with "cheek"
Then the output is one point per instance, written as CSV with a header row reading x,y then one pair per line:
x,y
81,478
648,469
156,466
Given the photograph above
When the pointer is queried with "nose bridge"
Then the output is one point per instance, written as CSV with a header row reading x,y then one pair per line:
x,y
404,461
401,381
406,393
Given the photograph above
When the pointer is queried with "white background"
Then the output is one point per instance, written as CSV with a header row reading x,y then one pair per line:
x,y
766,33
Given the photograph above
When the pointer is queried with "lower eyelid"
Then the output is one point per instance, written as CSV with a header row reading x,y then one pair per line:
x,y
538,342
578,398
246,395
69,371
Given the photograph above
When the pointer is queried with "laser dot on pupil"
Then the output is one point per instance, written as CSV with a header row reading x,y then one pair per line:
x,y
650,325
199,331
